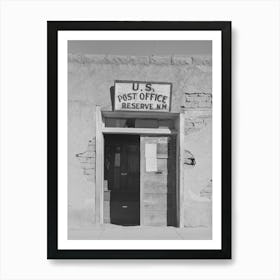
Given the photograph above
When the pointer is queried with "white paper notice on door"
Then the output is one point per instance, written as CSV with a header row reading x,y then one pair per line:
x,y
151,157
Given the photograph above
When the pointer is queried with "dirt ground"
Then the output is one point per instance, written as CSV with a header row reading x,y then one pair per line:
x,y
115,232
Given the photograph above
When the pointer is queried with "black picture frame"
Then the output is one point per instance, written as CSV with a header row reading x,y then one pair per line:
x,y
52,138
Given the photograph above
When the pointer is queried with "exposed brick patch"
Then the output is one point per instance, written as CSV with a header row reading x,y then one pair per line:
x,y
207,191
197,100
144,60
87,161
120,59
139,60
195,124
86,58
159,60
202,60
182,60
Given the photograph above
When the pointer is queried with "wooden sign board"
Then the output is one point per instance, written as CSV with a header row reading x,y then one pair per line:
x,y
142,96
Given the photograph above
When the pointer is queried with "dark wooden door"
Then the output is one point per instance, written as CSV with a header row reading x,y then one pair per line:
x,y
122,170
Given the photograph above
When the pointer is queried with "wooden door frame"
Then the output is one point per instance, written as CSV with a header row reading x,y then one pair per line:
x,y
100,130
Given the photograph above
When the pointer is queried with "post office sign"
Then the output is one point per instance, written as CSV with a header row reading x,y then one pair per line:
x,y
142,96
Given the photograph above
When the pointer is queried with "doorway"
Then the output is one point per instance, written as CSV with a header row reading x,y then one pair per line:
x,y
122,173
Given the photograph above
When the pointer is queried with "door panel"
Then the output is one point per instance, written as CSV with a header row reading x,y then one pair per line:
x,y
122,170
159,186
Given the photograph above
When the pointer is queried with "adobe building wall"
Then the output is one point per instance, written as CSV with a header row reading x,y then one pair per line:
x,y
89,80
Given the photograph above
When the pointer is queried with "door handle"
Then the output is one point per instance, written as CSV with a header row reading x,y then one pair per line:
x,y
123,173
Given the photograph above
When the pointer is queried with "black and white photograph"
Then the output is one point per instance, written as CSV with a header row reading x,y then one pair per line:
x,y
137,101
140,139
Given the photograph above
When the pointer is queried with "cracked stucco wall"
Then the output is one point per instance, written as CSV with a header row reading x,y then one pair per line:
x,y
89,80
